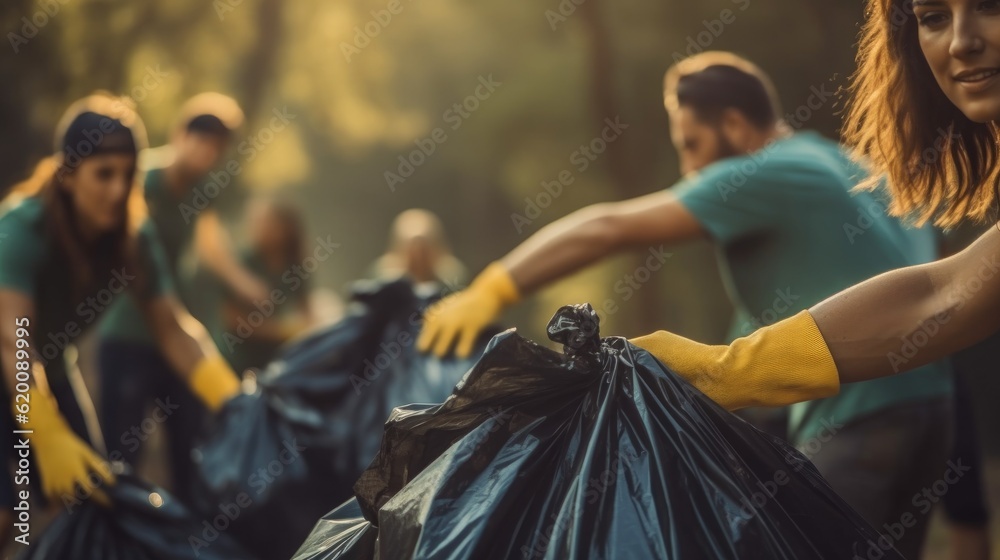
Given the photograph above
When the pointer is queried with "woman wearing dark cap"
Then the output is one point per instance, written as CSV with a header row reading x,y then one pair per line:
x,y
75,238
181,193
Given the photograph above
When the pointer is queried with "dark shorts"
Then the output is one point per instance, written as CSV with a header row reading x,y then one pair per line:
x,y
965,502
892,467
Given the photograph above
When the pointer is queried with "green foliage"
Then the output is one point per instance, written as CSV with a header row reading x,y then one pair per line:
x,y
361,102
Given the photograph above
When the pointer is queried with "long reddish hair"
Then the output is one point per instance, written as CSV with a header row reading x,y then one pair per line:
x,y
939,165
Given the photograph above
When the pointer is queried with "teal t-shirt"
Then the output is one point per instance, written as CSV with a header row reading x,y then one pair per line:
x,y
174,222
30,263
790,233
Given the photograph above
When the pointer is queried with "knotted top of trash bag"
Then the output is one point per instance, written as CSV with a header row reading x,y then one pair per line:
x,y
327,395
600,451
578,328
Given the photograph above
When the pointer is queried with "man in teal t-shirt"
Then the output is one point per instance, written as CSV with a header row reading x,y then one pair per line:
x,y
180,197
789,232
792,234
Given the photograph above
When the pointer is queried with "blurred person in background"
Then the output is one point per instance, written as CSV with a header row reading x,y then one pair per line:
x,y
276,245
777,205
180,195
73,239
419,251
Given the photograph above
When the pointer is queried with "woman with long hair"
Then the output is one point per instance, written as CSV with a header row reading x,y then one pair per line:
x,y
276,248
923,114
73,239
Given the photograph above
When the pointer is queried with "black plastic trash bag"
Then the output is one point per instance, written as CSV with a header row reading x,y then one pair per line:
x,y
598,452
279,458
343,534
142,523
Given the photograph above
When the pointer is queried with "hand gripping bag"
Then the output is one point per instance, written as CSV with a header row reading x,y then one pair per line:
x,y
142,523
280,457
596,452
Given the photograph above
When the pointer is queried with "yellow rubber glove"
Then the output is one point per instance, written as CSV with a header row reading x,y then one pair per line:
x,y
291,328
65,462
214,382
785,363
463,315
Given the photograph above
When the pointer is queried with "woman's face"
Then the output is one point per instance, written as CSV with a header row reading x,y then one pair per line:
x,y
961,41
100,187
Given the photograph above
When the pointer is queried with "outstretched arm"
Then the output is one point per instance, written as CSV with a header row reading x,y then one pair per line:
x,y
889,324
913,316
189,349
215,249
587,235
557,250
66,462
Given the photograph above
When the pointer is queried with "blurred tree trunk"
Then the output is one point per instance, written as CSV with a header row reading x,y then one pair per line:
x,y
25,141
258,67
605,105
603,98
107,54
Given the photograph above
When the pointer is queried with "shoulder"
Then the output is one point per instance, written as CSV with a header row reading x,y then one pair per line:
x,y
23,223
152,180
147,234
806,158
801,151
22,244
24,211
809,149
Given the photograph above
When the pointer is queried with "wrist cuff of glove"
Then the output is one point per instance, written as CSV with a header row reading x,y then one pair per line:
x,y
214,382
42,412
825,380
790,361
497,279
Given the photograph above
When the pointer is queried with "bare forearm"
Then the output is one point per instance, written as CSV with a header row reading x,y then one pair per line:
x,y
562,248
270,330
214,253
183,341
214,249
907,318
183,352
190,352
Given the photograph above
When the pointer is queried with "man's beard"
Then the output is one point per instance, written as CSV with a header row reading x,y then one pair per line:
x,y
724,148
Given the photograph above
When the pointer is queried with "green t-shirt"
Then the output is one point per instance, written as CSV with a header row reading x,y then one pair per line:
x,y
789,234
174,220
31,264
